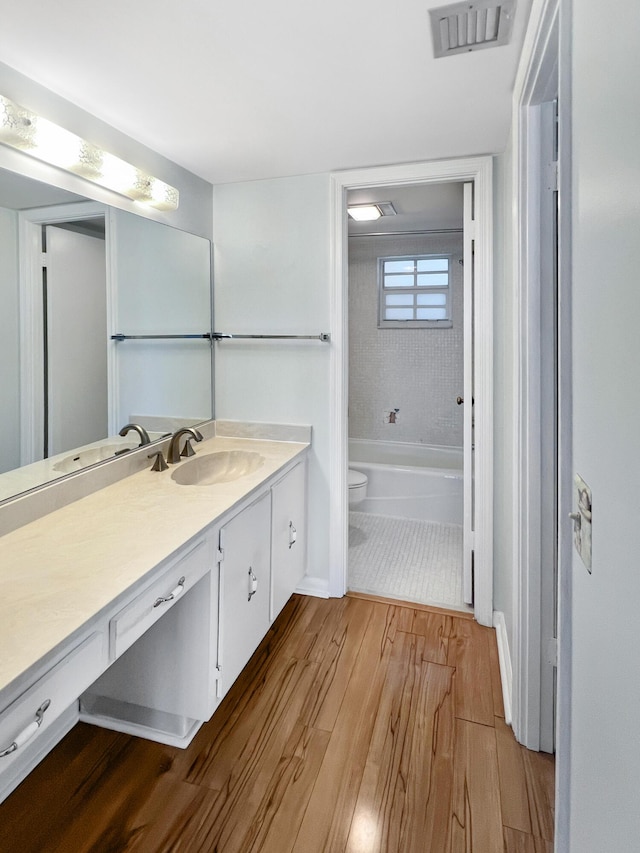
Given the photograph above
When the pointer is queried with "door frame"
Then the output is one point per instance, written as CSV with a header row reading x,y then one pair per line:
x,y
537,83
30,224
479,171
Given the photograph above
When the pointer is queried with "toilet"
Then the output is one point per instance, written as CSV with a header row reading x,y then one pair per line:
x,y
357,487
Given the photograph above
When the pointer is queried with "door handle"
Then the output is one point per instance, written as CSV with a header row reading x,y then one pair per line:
x,y
459,400
253,584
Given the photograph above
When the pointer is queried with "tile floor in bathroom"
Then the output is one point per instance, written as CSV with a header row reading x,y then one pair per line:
x,y
418,561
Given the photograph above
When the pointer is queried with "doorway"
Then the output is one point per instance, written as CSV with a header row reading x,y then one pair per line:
x,y
478,173
406,310
64,320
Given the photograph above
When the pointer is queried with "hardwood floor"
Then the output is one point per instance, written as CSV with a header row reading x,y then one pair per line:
x,y
357,726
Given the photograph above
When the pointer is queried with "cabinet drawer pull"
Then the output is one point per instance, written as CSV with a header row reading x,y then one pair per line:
x,y
253,584
178,590
293,534
28,732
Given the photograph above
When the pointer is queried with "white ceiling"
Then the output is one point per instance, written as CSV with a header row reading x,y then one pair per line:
x,y
424,207
246,89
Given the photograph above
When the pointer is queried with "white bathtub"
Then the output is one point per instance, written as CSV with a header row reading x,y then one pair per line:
x,y
409,480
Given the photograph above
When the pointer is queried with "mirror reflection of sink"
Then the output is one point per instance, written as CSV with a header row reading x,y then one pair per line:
x,y
223,466
89,457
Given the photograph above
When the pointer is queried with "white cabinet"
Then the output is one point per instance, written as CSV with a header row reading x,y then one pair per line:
x,y
288,535
244,587
156,660
36,719
162,686
184,571
262,560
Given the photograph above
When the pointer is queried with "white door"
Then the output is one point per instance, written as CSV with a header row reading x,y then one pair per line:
x,y
76,340
468,398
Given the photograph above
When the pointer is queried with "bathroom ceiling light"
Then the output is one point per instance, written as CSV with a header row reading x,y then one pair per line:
x,y
364,212
51,143
369,212
469,26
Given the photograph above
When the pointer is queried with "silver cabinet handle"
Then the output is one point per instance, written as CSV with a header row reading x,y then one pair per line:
x,y
293,534
28,732
253,584
178,590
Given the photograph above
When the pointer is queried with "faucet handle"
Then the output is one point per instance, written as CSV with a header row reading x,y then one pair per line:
x,y
159,464
188,450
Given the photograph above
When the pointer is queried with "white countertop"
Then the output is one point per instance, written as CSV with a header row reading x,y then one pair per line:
x,y
60,571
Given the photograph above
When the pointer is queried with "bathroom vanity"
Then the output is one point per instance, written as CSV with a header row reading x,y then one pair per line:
x,y
136,607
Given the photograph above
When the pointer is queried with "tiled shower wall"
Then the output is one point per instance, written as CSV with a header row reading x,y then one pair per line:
x,y
418,371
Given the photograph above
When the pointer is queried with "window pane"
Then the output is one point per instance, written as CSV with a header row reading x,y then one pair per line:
x,y
406,265
399,314
399,298
433,280
431,314
432,299
433,265
399,281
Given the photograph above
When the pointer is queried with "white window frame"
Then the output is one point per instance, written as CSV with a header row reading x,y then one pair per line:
x,y
415,289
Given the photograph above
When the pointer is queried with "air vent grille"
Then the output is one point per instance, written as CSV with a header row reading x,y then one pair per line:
x,y
471,26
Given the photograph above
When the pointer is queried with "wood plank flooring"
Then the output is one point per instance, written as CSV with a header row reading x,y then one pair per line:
x,y
358,725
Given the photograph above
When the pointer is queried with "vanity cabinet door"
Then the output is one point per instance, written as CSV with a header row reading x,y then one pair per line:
x,y
288,536
244,588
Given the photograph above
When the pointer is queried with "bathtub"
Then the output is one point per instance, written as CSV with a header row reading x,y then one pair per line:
x,y
407,480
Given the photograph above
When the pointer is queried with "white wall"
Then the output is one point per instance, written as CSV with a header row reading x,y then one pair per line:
x,y
605,688
271,275
9,352
419,371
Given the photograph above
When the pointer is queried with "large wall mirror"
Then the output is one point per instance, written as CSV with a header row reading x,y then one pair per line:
x,y
105,321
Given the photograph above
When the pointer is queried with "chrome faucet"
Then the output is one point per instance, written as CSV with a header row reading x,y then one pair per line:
x,y
144,435
173,452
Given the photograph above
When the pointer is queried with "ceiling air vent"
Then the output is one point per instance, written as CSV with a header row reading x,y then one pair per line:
x,y
471,26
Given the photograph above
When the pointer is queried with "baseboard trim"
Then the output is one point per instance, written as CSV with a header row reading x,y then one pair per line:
x,y
504,656
318,587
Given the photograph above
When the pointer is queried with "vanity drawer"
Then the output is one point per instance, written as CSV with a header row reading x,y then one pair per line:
x,y
134,619
23,721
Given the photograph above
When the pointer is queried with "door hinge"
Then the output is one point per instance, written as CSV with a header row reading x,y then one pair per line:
x,y
552,651
552,176
218,677
219,555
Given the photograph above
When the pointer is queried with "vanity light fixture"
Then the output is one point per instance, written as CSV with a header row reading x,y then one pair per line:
x,y
30,133
370,212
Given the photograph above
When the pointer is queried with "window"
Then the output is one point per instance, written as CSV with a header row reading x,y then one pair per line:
x,y
414,291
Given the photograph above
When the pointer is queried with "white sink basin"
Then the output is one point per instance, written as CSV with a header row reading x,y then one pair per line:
x,y
224,466
89,457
